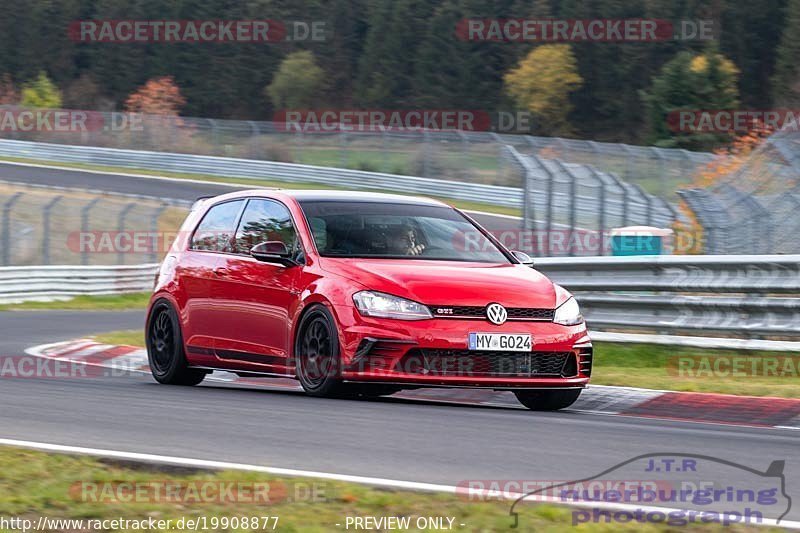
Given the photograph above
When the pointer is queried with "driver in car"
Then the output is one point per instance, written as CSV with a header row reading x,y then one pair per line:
x,y
403,241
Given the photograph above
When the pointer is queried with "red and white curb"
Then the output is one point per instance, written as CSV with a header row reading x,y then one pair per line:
x,y
753,411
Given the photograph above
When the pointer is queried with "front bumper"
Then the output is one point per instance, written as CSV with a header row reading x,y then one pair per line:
x,y
434,352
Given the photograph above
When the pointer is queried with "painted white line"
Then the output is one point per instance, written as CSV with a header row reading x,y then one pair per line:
x,y
364,480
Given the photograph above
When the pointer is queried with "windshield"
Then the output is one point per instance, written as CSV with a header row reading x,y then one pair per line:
x,y
387,230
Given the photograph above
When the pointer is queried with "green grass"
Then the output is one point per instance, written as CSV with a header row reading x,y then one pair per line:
x,y
34,484
646,365
250,182
115,302
126,337
633,365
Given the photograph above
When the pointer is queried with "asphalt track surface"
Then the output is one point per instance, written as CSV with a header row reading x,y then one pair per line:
x,y
391,438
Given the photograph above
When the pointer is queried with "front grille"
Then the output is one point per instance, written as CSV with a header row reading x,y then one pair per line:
x,y
514,313
487,364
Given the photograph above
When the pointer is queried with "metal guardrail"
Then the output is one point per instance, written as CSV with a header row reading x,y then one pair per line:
x,y
665,294
18,284
671,294
258,169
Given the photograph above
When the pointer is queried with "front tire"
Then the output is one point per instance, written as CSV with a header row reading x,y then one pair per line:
x,y
317,354
165,352
547,400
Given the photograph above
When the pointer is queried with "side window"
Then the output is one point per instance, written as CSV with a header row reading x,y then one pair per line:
x,y
266,220
215,231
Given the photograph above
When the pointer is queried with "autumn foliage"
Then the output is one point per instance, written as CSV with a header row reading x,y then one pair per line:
x,y
729,159
159,96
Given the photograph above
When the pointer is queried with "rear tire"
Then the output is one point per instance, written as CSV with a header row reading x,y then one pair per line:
x,y
317,355
165,351
547,400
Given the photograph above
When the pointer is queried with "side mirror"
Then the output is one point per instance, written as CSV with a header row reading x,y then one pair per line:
x,y
272,252
522,257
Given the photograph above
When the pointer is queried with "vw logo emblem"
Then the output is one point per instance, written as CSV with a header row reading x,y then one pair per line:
x,y
496,314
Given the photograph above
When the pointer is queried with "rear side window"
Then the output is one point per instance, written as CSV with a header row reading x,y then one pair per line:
x,y
265,220
215,231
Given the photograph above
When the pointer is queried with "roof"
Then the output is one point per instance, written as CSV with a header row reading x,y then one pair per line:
x,y
312,195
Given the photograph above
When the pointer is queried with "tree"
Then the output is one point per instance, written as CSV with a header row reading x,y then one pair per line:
x,y
541,84
387,75
159,96
298,82
786,80
41,92
697,82
8,92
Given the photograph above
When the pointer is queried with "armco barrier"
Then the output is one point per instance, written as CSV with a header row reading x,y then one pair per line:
x,y
258,169
737,296
747,296
18,284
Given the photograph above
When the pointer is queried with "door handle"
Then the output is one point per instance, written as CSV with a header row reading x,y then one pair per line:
x,y
221,271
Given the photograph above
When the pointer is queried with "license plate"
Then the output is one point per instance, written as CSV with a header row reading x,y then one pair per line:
x,y
500,342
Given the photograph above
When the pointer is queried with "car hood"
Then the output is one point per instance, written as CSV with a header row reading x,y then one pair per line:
x,y
449,282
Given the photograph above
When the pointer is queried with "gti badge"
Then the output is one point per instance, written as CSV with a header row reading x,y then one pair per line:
x,y
496,314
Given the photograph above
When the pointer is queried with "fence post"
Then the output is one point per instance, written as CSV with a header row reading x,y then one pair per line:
x,y
46,229
661,174
342,148
426,154
648,199
214,137
548,224
255,131
121,227
85,226
573,192
154,227
6,239
385,149
601,212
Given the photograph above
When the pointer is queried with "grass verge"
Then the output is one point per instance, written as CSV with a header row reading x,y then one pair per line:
x,y
112,302
35,484
251,182
648,366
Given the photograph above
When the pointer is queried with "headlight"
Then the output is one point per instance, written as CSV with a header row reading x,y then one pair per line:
x,y
378,304
568,313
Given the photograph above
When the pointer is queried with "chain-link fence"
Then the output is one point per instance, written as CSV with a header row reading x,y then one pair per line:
x,y
571,209
572,189
469,156
755,209
42,226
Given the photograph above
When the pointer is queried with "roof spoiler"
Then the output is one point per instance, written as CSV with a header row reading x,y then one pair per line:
x,y
199,201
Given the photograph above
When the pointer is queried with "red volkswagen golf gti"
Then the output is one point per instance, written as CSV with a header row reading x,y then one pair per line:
x,y
360,294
